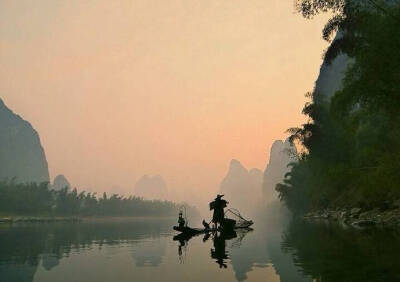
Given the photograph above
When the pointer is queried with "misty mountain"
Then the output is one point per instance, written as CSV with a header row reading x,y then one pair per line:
x,y
282,153
60,182
151,188
242,188
330,78
21,153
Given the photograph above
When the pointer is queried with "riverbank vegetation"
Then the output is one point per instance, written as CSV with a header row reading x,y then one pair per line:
x,y
39,199
351,142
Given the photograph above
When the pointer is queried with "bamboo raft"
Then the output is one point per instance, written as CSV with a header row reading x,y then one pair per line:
x,y
230,225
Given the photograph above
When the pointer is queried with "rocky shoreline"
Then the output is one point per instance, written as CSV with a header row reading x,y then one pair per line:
x,y
31,219
357,217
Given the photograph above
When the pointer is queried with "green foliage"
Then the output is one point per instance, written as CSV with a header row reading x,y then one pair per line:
x,y
352,142
25,198
32,198
348,17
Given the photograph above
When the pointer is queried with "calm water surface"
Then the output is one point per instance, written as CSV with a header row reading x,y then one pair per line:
x,y
144,250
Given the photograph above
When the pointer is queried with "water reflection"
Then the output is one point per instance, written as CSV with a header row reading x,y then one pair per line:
x,y
219,239
50,261
143,250
260,249
328,252
149,253
23,247
219,252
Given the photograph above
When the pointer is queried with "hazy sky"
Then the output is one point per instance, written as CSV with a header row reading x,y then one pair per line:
x,y
118,89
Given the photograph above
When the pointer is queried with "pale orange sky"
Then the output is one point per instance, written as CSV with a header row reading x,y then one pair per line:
x,y
118,89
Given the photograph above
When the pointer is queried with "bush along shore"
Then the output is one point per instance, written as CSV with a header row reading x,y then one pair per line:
x,y
37,202
359,217
351,140
31,219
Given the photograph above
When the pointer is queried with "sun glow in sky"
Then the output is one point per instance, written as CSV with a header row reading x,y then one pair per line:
x,y
118,89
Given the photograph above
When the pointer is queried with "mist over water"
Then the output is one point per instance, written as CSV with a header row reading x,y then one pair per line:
x,y
144,250
279,248
139,250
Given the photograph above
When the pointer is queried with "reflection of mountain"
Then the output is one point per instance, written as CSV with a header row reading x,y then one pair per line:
x,y
21,154
242,188
23,247
49,261
249,254
282,153
151,187
17,272
149,253
278,219
263,247
329,252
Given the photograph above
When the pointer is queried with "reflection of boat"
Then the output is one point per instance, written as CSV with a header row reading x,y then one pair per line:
x,y
189,230
187,233
219,239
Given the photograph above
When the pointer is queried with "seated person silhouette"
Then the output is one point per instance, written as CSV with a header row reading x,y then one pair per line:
x,y
181,220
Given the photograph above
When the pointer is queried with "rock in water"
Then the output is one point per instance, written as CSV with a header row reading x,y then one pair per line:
x,y
21,154
242,188
281,155
60,182
151,188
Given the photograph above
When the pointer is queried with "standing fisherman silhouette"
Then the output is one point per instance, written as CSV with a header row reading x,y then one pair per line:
x,y
218,206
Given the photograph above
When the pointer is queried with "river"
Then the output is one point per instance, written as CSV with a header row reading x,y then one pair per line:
x,y
277,249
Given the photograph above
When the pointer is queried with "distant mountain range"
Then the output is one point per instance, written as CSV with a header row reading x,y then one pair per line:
x,y
242,188
21,154
246,189
60,182
151,188
22,157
